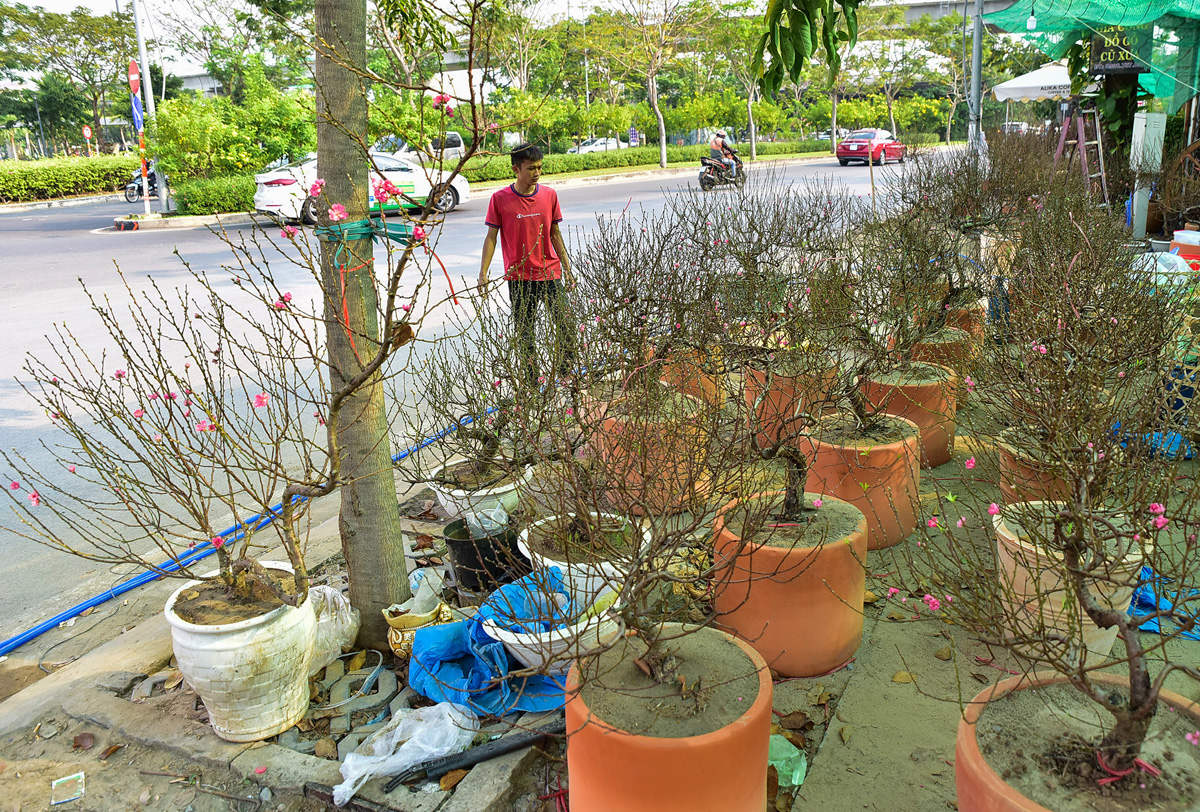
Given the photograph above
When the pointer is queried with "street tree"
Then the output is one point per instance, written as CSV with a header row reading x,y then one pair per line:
x,y
90,51
642,36
735,40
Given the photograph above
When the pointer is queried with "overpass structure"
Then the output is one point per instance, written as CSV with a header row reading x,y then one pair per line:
x,y
914,9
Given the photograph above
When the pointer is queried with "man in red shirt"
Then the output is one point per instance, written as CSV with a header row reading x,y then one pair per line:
x,y
526,215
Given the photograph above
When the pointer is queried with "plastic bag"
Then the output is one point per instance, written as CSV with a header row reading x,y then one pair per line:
x,y
486,522
789,761
337,626
433,575
410,738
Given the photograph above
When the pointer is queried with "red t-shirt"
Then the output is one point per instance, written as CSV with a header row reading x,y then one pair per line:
x,y
525,222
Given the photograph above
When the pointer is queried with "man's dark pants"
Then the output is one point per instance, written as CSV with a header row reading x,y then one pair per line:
x,y
525,297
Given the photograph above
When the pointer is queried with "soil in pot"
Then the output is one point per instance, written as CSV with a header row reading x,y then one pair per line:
x,y
1041,741
722,680
471,476
831,521
582,538
212,603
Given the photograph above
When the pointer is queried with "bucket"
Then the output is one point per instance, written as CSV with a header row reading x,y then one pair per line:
x,y
481,565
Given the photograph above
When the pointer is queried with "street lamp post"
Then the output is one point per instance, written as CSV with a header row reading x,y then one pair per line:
x,y
976,132
41,133
147,85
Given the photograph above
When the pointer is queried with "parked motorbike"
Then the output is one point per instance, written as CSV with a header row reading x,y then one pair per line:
x,y
133,191
713,173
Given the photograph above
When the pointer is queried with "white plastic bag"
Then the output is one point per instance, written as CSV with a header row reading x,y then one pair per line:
x,y
337,626
426,584
487,521
410,738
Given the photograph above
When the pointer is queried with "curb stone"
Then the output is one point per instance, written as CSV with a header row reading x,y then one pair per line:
x,y
35,205
191,221
153,729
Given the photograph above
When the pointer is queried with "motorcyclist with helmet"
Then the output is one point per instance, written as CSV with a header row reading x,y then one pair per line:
x,y
720,149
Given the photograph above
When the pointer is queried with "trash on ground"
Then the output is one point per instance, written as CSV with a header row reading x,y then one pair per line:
x,y
789,761
410,738
337,626
68,788
84,741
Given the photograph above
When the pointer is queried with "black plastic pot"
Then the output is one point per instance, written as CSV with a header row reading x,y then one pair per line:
x,y
481,565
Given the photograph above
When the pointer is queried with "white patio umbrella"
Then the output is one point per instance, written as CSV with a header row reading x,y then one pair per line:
x,y
1050,81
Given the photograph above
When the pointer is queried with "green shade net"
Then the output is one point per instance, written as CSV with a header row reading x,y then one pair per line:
x,y
1175,58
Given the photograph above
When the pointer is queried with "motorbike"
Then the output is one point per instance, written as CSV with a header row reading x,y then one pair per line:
x,y
713,173
133,190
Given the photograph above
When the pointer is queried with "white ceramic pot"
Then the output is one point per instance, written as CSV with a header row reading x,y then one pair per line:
x,y
585,579
253,674
555,650
1039,597
458,503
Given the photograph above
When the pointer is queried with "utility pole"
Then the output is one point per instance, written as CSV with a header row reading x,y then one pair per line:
x,y
975,134
148,93
41,132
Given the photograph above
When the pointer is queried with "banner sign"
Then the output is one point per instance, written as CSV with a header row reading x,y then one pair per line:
x,y
1122,50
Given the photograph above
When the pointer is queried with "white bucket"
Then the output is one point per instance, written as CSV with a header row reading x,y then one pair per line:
x,y
458,503
585,579
555,650
253,674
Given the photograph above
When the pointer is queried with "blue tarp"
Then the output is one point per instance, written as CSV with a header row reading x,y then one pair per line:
x,y
459,662
1168,444
1145,601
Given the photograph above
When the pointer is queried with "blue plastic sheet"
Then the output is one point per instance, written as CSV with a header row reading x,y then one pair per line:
x,y
459,662
1167,444
1145,600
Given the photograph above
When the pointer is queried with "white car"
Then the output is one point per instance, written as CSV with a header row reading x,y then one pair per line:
x,y
598,145
283,193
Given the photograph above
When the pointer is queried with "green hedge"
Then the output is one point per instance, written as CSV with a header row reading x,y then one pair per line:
x,y
64,177
499,167
216,195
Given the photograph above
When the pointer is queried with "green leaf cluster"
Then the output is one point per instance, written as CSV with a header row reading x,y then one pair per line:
x,y
795,31
22,181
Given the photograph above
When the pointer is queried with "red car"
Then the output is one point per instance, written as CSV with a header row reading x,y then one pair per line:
x,y
880,145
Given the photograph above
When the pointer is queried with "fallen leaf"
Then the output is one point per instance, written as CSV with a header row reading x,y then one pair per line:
x,y
896,614
776,729
84,741
108,751
305,725
450,780
819,696
870,597
144,798
903,676
980,677
796,720
844,733
423,541
943,653
795,737
173,681
87,611
356,662
783,801
772,782
326,748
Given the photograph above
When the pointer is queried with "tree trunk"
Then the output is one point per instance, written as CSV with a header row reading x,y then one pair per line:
x,y
750,125
369,519
662,125
833,138
950,119
891,114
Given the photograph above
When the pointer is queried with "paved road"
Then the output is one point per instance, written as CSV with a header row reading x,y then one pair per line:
x,y
45,254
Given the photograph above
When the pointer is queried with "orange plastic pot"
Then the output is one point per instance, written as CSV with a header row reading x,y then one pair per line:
x,y
971,319
789,396
612,770
956,355
978,787
1024,479
882,481
658,466
800,608
930,405
686,371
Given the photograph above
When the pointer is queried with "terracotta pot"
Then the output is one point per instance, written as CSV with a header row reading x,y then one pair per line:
x,y
957,355
978,787
790,395
1024,479
931,405
891,473
613,770
1038,597
690,373
659,464
972,319
800,608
